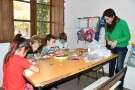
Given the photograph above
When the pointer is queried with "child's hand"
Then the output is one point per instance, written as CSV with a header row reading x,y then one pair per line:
x,y
46,56
64,49
57,48
34,63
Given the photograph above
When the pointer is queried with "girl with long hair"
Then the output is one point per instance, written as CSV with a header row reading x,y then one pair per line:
x,y
14,65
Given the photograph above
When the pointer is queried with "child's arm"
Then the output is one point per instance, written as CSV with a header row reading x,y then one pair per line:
x,y
45,51
66,45
30,65
34,68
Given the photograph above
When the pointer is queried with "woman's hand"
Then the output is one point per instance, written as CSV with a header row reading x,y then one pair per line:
x,y
109,42
113,44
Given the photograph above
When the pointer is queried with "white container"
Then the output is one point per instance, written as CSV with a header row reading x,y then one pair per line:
x,y
89,51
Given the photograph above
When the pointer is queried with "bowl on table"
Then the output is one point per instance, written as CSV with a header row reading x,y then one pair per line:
x,y
60,56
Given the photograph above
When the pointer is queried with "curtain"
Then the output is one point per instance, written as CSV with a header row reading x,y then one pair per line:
x,y
57,18
6,22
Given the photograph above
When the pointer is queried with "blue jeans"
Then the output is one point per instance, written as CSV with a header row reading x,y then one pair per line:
x,y
117,64
119,61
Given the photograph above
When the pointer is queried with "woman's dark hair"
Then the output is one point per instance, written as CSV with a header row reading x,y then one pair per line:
x,y
49,37
16,43
63,36
110,13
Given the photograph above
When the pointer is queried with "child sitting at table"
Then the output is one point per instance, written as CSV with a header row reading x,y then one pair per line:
x,y
14,65
50,47
35,43
61,43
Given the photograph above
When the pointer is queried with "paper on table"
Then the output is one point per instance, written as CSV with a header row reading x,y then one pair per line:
x,y
28,72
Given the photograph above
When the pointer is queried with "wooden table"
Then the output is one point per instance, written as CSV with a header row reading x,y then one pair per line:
x,y
52,70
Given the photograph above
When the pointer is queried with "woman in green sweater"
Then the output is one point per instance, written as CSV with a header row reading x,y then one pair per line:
x,y
117,36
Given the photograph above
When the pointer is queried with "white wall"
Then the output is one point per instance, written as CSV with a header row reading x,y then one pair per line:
x,y
123,8
70,22
3,50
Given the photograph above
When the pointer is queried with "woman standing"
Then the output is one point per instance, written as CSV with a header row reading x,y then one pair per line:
x,y
117,36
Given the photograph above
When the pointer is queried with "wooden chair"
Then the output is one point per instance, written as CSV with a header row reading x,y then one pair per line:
x,y
106,83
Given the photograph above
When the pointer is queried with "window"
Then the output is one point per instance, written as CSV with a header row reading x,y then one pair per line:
x,y
23,17
30,17
43,17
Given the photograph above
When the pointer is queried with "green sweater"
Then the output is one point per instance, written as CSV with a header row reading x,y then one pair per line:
x,y
120,33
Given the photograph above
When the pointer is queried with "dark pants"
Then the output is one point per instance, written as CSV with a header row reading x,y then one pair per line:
x,y
119,61
117,64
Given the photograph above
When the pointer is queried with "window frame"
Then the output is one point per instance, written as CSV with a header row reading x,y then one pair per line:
x,y
7,23
33,16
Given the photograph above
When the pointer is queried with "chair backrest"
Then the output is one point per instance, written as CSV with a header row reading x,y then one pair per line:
x,y
114,79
